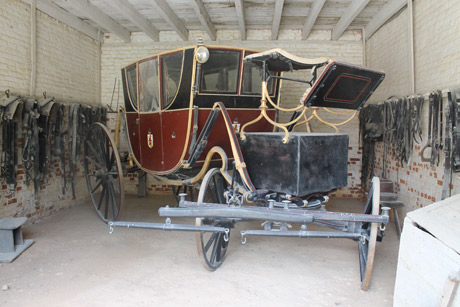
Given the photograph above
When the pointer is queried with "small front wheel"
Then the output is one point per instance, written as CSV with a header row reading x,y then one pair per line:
x,y
212,246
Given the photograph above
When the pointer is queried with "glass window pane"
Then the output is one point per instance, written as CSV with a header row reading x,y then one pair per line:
x,y
171,69
148,86
131,80
220,72
252,80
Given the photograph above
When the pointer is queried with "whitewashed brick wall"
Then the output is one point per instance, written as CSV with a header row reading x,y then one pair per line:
x,y
67,60
68,69
437,67
116,54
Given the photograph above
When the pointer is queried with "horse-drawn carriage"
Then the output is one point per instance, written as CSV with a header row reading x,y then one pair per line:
x,y
210,115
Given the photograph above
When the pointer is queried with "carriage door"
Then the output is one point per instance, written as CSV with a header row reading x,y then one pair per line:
x,y
151,142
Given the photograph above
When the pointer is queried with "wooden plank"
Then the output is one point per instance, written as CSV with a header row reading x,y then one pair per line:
x,y
133,15
204,18
424,266
347,18
441,219
279,4
51,9
171,18
383,16
105,21
239,6
312,16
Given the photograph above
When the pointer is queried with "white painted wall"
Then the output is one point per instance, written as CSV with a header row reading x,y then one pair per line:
x,y
67,60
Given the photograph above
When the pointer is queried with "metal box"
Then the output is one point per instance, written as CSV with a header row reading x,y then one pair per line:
x,y
308,163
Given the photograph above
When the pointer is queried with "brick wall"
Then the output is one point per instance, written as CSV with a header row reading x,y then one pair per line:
x,y
437,63
68,69
116,54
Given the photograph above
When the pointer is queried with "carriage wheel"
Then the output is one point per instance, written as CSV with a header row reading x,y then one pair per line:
x,y
212,246
104,175
367,245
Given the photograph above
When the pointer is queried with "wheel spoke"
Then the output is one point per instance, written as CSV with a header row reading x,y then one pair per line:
x,y
212,259
101,198
96,187
93,161
112,205
211,239
106,211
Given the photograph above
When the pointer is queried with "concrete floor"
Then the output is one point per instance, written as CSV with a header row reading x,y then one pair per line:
x,y
75,262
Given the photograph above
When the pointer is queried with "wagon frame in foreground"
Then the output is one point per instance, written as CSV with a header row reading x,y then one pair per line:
x,y
280,178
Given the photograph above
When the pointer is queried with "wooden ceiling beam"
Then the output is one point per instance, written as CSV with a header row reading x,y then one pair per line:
x,y
379,19
279,4
347,18
133,15
105,21
204,18
239,6
51,9
312,16
171,18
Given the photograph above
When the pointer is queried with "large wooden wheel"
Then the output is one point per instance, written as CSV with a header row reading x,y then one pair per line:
x,y
212,246
104,175
368,243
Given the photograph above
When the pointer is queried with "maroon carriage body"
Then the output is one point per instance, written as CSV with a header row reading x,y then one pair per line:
x,y
161,94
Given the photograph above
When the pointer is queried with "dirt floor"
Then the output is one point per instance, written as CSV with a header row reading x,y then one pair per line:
x,y
76,262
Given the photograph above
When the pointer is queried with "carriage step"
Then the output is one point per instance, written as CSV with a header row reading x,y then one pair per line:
x,y
11,242
387,196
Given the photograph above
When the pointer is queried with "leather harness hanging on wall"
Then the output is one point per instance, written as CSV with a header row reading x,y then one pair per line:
x,y
10,112
47,122
435,122
74,141
451,141
30,144
402,127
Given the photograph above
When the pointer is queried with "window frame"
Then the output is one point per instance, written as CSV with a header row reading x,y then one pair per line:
x,y
238,75
128,88
155,57
161,57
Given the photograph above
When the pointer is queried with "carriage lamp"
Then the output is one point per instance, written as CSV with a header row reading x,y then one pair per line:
x,y
202,54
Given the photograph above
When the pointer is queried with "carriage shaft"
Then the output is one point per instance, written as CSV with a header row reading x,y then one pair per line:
x,y
193,209
168,226
237,213
301,234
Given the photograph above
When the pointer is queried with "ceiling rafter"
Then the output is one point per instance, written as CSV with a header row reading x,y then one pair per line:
x,y
171,18
96,15
239,6
204,18
133,15
279,4
51,9
347,18
312,16
383,16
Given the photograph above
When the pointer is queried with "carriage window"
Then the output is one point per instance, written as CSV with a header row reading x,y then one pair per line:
x,y
171,66
252,80
131,80
148,86
220,72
